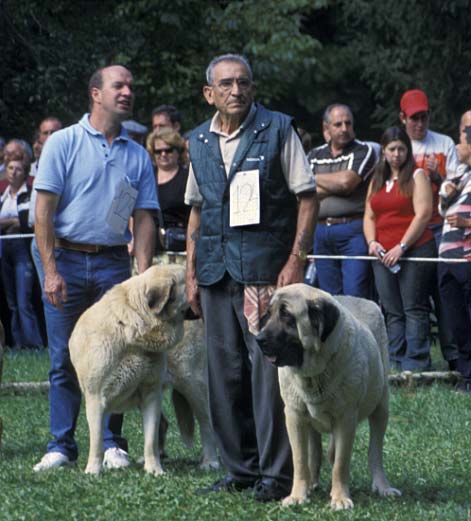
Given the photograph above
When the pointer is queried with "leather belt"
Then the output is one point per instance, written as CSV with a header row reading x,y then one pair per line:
x,y
87,248
329,221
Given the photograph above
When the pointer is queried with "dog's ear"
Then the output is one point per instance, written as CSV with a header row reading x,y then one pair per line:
x,y
323,315
158,297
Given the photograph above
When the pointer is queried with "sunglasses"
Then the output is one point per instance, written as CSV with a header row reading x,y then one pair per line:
x,y
160,151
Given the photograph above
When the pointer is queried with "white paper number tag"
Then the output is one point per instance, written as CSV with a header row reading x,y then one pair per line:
x,y
121,208
245,198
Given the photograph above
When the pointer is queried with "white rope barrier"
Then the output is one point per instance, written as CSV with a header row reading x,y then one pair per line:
x,y
16,236
314,257
372,258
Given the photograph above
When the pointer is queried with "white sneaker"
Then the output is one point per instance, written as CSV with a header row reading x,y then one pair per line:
x,y
116,458
52,460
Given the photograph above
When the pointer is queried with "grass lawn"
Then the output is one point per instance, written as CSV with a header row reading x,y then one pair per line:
x,y
427,456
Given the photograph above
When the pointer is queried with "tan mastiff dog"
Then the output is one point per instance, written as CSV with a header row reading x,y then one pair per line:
x,y
118,348
333,371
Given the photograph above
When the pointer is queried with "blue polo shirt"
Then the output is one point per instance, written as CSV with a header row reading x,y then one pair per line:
x,y
78,164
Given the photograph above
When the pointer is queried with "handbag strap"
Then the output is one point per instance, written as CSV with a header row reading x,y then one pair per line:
x,y
161,219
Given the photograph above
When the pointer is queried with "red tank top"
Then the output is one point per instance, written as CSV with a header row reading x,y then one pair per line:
x,y
394,213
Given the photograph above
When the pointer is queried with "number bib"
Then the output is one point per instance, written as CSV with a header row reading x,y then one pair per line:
x,y
245,198
121,208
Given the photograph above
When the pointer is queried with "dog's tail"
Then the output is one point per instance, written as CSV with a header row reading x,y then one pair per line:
x,y
185,418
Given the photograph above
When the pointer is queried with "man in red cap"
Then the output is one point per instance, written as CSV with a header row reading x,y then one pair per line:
x,y
436,154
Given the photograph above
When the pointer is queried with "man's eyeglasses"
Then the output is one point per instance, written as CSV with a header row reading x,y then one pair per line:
x,y
226,84
160,151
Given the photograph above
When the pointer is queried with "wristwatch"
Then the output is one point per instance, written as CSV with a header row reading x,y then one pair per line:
x,y
403,246
301,254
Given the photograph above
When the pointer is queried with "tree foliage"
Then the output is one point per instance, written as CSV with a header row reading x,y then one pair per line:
x,y
305,55
407,44
52,47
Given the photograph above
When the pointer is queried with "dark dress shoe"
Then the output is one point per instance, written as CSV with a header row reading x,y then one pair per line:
x,y
269,489
226,484
464,386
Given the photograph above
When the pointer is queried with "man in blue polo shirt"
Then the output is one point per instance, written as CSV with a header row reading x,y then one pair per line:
x,y
92,178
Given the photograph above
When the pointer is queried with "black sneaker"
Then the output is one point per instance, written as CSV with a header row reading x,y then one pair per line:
x,y
269,489
226,484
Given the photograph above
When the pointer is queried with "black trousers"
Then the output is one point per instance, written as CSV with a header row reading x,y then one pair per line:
x,y
455,290
244,396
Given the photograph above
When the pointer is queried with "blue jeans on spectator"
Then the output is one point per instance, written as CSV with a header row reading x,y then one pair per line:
x,y
18,278
342,277
88,277
455,290
405,300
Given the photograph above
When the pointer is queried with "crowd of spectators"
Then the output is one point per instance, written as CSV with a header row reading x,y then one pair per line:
x,y
375,199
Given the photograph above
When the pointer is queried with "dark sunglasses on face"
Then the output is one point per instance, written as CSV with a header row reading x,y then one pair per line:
x,y
160,151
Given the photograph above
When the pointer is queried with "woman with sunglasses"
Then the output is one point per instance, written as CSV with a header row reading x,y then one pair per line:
x,y
167,150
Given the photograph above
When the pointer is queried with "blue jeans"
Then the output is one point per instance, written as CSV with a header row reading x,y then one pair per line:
x,y
88,277
342,277
455,290
405,299
18,278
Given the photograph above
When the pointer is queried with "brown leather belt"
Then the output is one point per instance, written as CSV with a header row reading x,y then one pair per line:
x,y
329,221
87,248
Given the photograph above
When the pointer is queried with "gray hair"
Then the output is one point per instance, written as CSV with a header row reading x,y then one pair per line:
x,y
227,58
330,108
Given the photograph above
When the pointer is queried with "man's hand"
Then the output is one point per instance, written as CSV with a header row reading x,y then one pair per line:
x,y
458,221
193,295
292,272
55,289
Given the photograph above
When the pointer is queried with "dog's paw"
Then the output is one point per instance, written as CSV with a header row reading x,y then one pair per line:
x,y
155,470
341,503
93,468
388,492
210,465
293,500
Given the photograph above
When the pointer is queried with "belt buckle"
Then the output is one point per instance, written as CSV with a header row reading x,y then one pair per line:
x,y
328,221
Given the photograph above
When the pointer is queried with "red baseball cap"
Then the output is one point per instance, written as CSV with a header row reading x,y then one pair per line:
x,y
414,101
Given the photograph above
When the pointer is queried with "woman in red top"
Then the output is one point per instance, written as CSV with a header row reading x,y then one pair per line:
x,y
397,211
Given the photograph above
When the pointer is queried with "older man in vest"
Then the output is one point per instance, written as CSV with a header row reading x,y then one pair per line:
x,y
253,211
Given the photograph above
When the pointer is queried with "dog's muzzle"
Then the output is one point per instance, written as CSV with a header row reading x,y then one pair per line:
x,y
280,351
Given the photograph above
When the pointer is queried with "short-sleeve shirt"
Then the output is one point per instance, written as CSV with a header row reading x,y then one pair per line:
x,y
294,164
357,156
443,149
86,172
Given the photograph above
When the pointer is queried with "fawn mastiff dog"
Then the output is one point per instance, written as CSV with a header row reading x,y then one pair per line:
x,y
333,372
118,348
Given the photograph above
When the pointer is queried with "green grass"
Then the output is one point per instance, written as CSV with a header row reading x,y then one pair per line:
x,y
427,456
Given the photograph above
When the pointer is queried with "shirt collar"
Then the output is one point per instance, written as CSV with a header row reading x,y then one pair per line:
x,y
85,123
216,123
6,193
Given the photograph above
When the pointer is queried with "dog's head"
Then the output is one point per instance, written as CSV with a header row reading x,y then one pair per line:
x,y
299,320
161,292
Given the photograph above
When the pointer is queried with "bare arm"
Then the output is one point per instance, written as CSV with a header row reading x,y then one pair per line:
x,y
192,289
144,238
343,182
423,205
293,270
55,288
369,228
